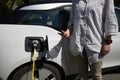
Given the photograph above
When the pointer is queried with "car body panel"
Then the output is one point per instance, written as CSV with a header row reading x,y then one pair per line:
x,y
12,48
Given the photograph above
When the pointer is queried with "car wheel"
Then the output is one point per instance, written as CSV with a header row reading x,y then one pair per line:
x,y
45,71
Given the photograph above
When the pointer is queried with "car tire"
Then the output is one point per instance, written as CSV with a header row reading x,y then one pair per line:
x,y
46,70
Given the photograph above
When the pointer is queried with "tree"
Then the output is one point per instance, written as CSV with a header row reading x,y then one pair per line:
x,y
3,8
6,6
117,3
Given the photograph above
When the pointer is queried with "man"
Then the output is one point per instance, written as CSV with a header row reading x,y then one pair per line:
x,y
91,25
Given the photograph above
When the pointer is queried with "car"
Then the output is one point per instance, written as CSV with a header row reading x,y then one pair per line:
x,y
42,23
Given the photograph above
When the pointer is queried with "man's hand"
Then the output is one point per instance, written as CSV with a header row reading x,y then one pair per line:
x,y
106,46
66,33
106,49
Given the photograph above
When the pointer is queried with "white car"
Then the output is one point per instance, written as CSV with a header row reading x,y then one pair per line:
x,y
35,22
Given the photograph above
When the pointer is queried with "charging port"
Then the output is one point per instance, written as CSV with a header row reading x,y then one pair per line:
x,y
39,43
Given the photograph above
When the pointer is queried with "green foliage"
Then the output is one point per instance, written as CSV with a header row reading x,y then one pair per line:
x,y
9,3
19,2
3,8
6,6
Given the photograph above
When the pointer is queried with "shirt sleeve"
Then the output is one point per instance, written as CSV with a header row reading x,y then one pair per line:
x,y
71,22
110,19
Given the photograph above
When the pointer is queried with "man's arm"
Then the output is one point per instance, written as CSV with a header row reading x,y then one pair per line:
x,y
110,25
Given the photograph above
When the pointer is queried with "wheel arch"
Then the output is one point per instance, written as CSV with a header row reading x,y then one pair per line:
x,y
45,61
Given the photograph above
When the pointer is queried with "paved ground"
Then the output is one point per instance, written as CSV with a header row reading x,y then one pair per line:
x,y
111,75
115,76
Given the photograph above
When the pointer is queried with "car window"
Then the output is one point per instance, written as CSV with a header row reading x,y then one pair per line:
x,y
118,17
56,18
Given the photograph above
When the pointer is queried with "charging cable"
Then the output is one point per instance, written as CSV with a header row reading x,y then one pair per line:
x,y
33,65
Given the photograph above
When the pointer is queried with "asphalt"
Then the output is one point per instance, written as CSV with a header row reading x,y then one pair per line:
x,y
110,75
